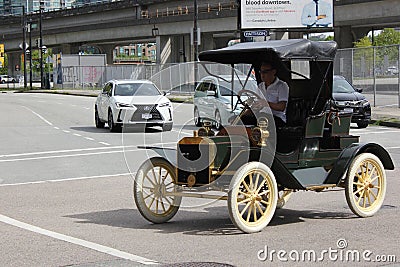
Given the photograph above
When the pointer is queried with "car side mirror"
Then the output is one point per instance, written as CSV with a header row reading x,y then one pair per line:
x,y
166,93
211,93
359,90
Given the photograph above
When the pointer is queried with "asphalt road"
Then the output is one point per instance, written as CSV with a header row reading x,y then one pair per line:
x,y
66,199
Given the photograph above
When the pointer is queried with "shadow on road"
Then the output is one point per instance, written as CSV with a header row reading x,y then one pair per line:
x,y
215,221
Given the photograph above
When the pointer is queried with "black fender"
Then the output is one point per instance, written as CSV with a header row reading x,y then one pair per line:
x,y
348,154
282,175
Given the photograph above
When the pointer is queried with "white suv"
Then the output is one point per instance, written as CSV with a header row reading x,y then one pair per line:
x,y
132,102
7,79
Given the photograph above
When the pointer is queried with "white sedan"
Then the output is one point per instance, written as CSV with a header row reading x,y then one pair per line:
x,y
132,102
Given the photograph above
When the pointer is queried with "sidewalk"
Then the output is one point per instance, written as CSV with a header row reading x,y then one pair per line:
x,y
383,115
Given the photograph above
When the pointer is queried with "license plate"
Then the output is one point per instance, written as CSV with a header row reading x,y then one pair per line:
x,y
146,116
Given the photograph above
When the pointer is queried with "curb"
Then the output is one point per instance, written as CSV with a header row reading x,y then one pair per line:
x,y
385,123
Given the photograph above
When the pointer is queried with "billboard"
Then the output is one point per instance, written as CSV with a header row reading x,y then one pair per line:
x,y
1,55
273,14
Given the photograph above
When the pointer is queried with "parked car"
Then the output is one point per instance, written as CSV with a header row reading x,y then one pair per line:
x,y
7,79
132,102
392,70
346,97
213,99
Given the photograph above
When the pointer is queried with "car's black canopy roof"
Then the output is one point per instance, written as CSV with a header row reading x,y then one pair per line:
x,y
256,52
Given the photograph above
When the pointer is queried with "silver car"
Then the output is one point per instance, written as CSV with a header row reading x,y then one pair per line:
x,y
214,101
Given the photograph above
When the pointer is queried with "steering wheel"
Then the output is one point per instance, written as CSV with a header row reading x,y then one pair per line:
x,y
252,97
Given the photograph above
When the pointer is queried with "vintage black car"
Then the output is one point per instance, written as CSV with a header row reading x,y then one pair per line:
x,y
256,167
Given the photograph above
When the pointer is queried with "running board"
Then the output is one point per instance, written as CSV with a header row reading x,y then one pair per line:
x,y
320,187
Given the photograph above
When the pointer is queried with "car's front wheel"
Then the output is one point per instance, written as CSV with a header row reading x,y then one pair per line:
x,y
155,190
197,120
362,124
111,125
99,123
167,127
252,197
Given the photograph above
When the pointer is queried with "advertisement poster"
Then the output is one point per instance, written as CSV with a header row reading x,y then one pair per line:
x,y
267,14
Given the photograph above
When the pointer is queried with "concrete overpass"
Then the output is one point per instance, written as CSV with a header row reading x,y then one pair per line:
x,y
117,23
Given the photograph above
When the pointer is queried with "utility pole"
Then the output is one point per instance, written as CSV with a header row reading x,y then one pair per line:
x,y
30,54
41,6
195,44
24,43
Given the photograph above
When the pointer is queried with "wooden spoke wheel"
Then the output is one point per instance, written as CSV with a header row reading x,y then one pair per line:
x,y
365,185
153,190
252,197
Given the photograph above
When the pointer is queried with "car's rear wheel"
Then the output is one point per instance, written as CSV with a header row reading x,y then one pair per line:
x,y
114,127
252,197
197,120
154,190
365,186
362,124
98,121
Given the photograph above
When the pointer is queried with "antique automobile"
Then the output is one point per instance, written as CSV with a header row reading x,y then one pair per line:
x,y
255,166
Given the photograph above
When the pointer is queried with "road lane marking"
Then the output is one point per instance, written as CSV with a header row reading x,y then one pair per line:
x,y
66,131
72,179
70,156
43,119
104,143
77,134
76,150
123,150
89,138
381,132
77,241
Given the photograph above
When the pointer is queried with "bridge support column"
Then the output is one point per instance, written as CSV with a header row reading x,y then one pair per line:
x,y
346,36
14,59
167,49
109,51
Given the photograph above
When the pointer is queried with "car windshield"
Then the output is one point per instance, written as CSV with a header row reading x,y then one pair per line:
x,y
342,86
136,89
225,87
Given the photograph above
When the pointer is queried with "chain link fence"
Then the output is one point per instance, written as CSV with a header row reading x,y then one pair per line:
x,y
178,78
373,69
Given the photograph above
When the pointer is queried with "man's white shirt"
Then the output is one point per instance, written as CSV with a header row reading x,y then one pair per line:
x,y
278,91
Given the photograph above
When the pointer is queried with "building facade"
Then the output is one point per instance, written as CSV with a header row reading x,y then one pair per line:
x,y
14,7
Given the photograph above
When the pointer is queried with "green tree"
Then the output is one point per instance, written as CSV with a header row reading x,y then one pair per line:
x,y
387,37
363,42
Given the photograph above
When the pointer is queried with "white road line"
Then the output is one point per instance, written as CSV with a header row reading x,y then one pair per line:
x,y
381,132
43,119
89,138
70,179
77,241
55,127
66,131
104,143
76,150
70,156
77,134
